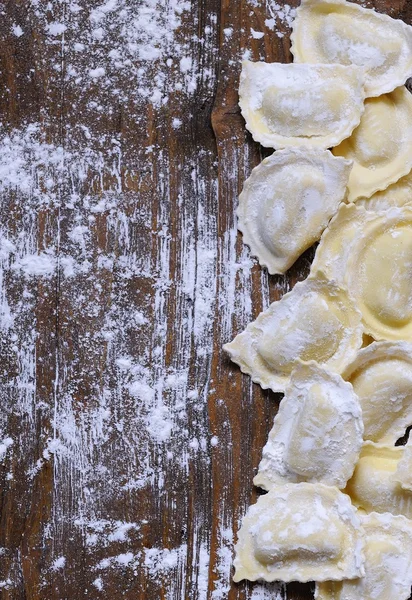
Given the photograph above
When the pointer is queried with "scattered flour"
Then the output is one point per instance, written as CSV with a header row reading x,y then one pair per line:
x,y
58,563
143,407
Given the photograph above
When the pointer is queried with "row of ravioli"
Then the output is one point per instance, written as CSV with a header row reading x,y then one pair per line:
x,y
338,507
359,108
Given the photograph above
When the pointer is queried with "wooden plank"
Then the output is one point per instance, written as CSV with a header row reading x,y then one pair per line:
x,y
134,439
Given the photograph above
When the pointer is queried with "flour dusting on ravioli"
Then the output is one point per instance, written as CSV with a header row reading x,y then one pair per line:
x,y
300,532
287,202
373,487
317,433
403,473
301,105
378,275
388,563
381,376
317,320
338,239
336,31
381,147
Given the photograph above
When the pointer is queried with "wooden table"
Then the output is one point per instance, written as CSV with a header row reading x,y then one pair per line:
x,y
128,442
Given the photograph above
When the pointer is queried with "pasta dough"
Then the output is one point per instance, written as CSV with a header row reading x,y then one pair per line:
x,y
403,474
300,532
287,202
317,433
301,105
315,321
397,194
383,254
381,147
373,487
381,376
388,563
336,31
338,239
360,248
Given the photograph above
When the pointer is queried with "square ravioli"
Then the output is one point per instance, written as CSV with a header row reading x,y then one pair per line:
x,y
300,532
317,433
388,563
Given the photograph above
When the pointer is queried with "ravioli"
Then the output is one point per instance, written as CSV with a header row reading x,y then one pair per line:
x,y
336,31
317,433
287,202
370,254
381,147
373,487
301,105
300,532
403,474
338,239
388,563
397,194
378,275
315,321
381,376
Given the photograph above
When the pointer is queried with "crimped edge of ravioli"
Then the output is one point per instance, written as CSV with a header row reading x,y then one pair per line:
x,y
350,565
394,196
242,352
364,182
371,354
280,158
372,326
372,90
388,523
273,470
278,141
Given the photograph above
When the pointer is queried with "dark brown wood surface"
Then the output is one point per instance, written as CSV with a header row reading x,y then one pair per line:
x,y
128,442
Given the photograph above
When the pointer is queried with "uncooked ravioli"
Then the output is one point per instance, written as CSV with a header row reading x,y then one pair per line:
x,y
336,31
317,320
381,147
378,275
373,486
381,376
397,194
300,105
388,563
300,532
317,432
287,202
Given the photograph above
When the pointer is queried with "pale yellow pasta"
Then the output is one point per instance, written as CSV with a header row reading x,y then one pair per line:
x,y
317,433
381,147
288,201
300,532
336,31
373,487
388,563
301,105
315,321
397,194
403,473
381,376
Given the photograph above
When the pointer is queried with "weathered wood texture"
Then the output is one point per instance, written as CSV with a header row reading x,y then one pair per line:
x,y
128,441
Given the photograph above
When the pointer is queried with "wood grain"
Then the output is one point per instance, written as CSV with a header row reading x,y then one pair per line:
x,y
163,244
